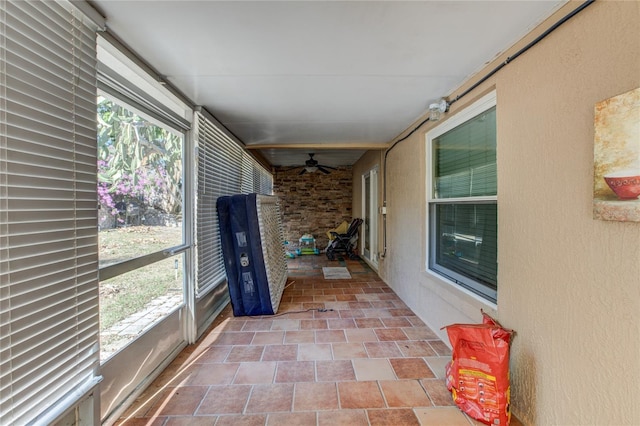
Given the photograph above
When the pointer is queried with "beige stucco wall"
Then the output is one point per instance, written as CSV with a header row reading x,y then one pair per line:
x,y
568,284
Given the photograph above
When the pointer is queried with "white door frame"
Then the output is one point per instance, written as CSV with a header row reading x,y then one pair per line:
x,y
371,237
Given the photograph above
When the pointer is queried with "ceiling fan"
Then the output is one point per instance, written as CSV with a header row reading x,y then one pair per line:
x,y
311,166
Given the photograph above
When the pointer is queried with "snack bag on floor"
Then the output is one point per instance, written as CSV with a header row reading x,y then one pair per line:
x,y
478,374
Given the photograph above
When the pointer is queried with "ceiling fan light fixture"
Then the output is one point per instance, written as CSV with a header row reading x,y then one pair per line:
x,y
311,169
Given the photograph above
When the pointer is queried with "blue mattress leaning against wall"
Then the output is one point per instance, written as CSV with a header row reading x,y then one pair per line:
x,y
253,249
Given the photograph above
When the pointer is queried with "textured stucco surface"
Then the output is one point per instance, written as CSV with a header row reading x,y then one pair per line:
x,y
568,284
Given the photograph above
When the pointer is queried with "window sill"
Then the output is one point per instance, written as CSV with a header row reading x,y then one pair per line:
x,y
466,301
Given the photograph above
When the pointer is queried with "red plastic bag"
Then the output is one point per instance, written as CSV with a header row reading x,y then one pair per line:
x,y
478,374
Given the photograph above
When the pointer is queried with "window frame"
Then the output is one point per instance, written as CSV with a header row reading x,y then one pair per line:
x,y
480,106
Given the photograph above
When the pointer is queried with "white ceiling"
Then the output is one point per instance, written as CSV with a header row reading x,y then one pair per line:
x,y
345,75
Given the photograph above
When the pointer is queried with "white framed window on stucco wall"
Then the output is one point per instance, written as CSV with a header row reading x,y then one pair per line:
x,y
462,236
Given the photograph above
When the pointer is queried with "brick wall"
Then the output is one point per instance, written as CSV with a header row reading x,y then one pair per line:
x,y
313,203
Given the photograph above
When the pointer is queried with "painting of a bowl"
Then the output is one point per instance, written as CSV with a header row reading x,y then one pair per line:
x,y
625,183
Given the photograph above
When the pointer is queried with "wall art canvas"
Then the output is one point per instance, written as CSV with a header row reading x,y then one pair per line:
x,y
616,188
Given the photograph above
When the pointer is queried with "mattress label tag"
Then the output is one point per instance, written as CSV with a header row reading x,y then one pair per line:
x,y
241,239
247,280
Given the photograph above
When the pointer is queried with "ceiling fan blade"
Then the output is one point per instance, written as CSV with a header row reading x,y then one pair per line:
x,y
323,170
327,167
303,171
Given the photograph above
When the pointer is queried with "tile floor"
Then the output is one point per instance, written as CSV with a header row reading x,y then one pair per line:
x,y
338,352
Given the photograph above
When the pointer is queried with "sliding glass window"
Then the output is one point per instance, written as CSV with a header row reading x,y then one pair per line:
x,y
140,179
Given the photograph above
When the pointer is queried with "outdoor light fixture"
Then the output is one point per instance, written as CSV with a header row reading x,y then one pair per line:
x,y
437,109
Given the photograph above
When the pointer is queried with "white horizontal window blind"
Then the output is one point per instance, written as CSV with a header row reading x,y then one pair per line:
x,y
224,168
48,216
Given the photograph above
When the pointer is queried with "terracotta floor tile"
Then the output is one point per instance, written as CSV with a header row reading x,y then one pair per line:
x,y
315,396
335,371
295,371
416,348
243,420
234,338
401,312
440,347
343,417
390,334
368,297
438,392
360,395
213,354
270,398
245,353
369,323
280,353
389,296
420,333
411,368
377,313
359,305
268,337
382,304
306,336
382,349
346,297
352,313
322,298
348,351
396,322
255,372
257,325
214,374
437,365
373,369
404,393
397,416
291,419
232,324
361,335
341,324
179,401
330,336
313,324
415,321
225,400
441,416
288,308
334,309
285,324
312,352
